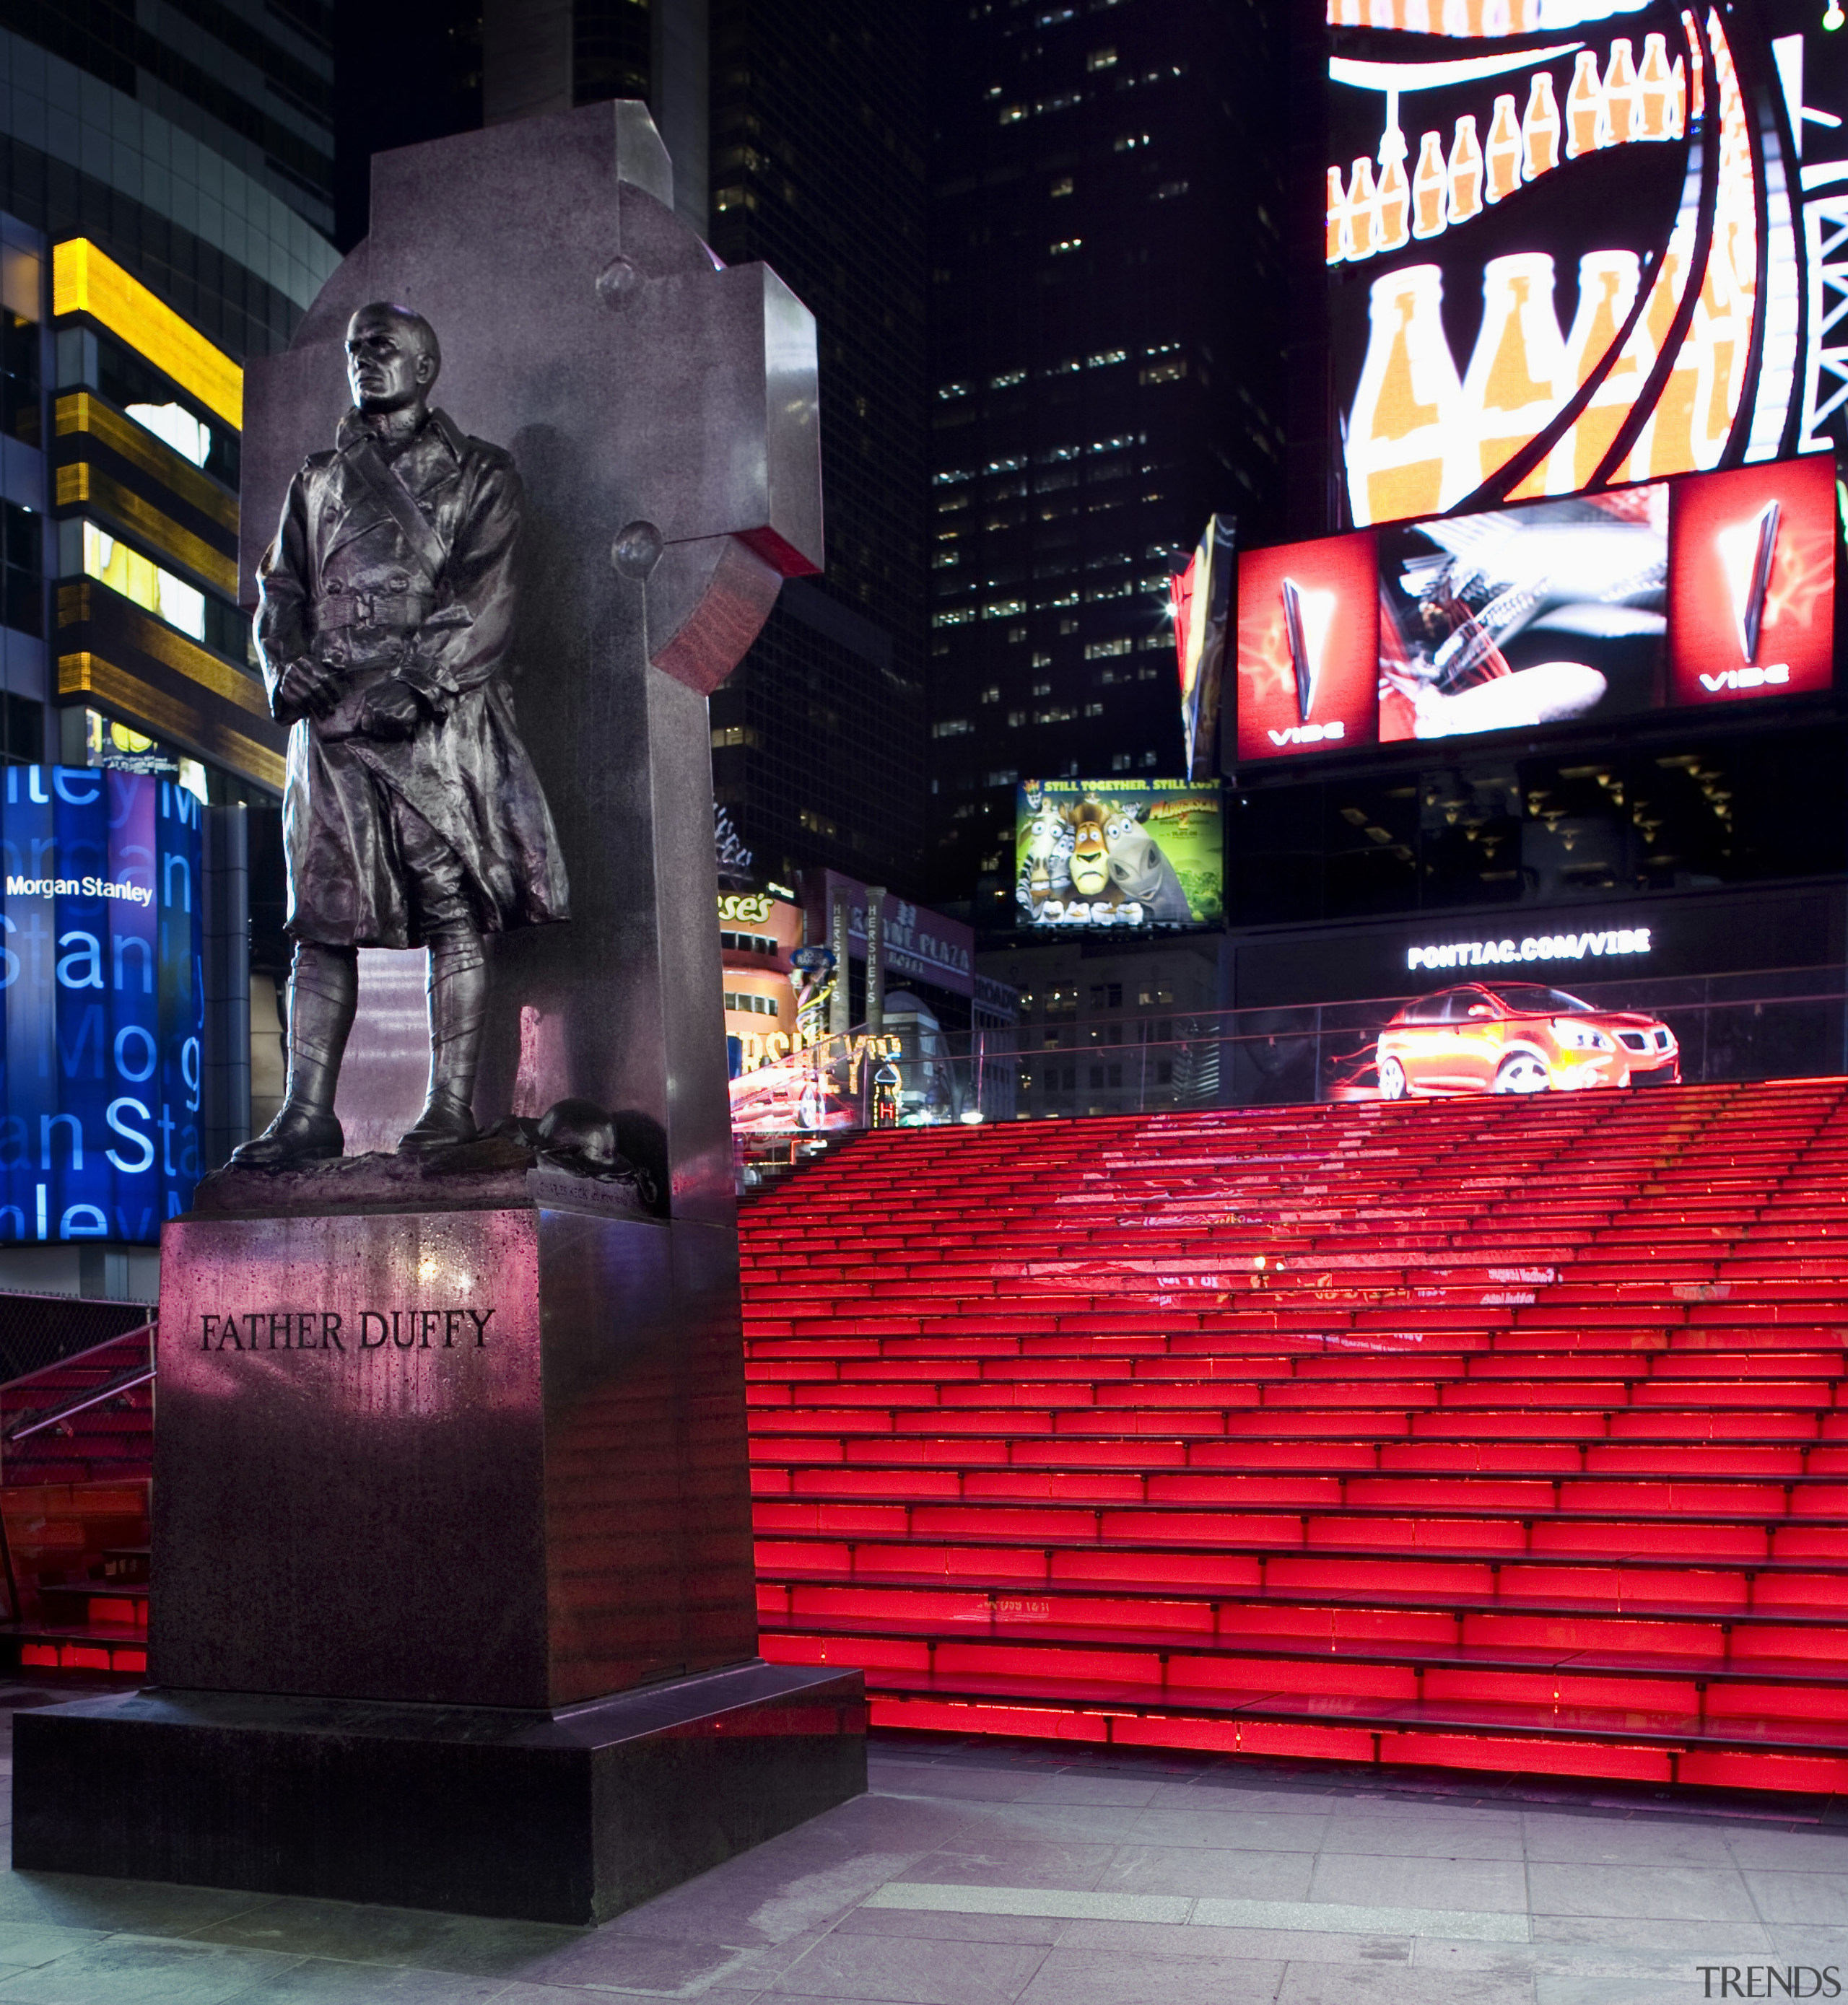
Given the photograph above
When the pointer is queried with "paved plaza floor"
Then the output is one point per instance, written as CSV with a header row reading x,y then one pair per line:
x,y
983,1874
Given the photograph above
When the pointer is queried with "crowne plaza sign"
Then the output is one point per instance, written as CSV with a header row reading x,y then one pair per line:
x,y
914,941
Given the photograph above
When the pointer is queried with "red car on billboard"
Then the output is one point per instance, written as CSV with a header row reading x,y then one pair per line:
x,y
1519,1037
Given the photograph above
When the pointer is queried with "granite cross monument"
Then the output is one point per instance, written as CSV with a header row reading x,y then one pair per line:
x,y
453,1599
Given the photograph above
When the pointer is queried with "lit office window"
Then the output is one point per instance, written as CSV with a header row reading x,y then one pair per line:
x,y
127,382
140,579
189,436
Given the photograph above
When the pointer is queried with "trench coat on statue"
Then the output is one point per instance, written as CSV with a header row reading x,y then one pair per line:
x,y
348,580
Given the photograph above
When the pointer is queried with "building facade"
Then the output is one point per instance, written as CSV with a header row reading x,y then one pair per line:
x,y
1106,317
148,642
123,652
818,167
165,207
170,177
194,146
167,175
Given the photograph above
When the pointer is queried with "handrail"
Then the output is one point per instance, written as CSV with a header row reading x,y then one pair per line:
x,y
1206,1023
1733,1027
124,1382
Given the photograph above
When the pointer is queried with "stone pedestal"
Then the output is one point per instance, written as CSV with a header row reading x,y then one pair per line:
x,y
430,1488
565,1818
478,1457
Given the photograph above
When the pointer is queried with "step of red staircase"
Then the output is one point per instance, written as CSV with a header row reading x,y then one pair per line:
x,y
1485,1434
76,1453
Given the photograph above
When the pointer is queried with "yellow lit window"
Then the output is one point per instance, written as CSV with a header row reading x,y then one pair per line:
x,y
85,280
136,578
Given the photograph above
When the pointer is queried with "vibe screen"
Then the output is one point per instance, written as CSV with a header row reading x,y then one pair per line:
x,y
1716,588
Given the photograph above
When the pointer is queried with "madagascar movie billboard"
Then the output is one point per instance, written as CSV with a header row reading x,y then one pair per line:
x,y
1120,854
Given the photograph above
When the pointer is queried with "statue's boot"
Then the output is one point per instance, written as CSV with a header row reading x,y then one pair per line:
x,y
458,1009
323,992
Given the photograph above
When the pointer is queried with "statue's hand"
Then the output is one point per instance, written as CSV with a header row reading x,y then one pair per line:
x,y
392,709
308,687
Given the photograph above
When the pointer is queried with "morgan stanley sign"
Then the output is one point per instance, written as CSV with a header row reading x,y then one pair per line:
x,y
101,1002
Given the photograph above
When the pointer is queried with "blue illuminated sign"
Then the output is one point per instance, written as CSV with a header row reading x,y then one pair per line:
x,y
101,1003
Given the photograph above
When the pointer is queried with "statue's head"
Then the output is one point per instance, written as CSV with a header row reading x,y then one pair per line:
x,y
392,357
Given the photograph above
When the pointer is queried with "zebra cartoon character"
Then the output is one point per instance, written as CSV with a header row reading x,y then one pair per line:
x,y
1045,866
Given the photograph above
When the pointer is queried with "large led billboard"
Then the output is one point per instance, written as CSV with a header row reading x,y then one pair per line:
x,y
1578,243
1120,853
1710,589
1753,582
1200,596
1309,651
101,1003
1546,614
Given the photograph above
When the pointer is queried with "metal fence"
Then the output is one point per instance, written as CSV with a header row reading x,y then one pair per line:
x,y
39,1330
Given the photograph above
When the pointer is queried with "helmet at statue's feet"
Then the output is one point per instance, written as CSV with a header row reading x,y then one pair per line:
x,y
297,1135
446,1122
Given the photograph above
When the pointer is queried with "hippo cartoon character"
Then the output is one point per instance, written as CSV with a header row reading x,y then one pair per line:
x,y
1139,871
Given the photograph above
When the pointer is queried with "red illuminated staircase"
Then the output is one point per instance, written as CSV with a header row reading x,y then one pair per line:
x,y
1490,1434
76,1453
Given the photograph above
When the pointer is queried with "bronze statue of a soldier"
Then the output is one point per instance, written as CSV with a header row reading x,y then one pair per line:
x,y
412,815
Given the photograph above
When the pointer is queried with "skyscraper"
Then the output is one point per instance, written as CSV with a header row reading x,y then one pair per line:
x,y
817,137
195,146
1554,273
165,194
173,170
1106,331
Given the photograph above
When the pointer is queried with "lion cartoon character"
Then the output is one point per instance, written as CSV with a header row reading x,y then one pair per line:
x,y
1090,855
